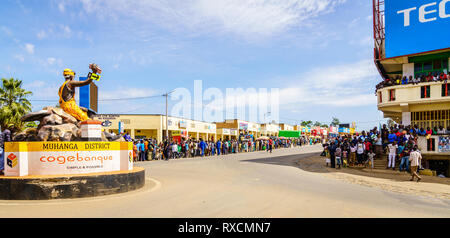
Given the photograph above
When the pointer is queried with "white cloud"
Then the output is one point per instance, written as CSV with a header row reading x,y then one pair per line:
x,y
344,85
41,35
61,7
19,57
248,18
29,48
67,31
50,61
6,30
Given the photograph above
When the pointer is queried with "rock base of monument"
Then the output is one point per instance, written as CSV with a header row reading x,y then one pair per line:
x,y
71,186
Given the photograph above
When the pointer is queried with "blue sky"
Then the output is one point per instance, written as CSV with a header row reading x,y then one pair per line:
x,y
319,53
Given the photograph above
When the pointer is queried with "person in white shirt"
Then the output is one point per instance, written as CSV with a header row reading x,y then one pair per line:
x,y
174,149
415,158
370,157
392,152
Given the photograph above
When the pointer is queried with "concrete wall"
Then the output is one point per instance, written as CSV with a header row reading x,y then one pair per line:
x,y
408,69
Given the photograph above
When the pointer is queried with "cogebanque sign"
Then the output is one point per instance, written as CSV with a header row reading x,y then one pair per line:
x,y
415,26
63,158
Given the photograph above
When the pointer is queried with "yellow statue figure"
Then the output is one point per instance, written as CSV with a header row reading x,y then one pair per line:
x,y
67,92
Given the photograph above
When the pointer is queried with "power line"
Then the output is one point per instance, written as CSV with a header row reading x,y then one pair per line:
x,y
100,100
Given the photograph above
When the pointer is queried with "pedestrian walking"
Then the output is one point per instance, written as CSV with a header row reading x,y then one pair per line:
x,y
415,158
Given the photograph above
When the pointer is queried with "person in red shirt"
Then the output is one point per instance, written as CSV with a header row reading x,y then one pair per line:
x,y
367,148
429,77
429,131
442,76
270,146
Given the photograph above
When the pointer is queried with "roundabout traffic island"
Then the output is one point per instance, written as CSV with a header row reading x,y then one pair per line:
x,y
77,169
71,186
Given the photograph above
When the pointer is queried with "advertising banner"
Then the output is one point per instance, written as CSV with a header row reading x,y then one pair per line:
x,y
176,133
63,158
183,124
416,26
226,131
444,144
243,126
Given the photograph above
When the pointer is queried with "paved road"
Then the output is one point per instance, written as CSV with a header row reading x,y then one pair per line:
x,y
245,185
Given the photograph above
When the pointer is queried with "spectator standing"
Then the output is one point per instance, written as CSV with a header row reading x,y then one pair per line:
x,y
370,157
127,137
332,149
353,149
338,154
415,158
404,163
392,148
202,147
135,151
5,136
360,152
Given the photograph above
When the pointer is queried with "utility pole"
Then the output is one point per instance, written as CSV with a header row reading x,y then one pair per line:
x,y
167,114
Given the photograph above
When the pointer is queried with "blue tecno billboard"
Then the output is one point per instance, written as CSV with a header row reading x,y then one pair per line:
x,y
415,26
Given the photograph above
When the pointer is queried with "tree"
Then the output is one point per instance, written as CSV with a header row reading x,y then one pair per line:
x,y
317,123
13,103
335,122
324,125
306,123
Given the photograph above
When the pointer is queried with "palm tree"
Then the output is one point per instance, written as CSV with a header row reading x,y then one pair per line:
x,y
13,103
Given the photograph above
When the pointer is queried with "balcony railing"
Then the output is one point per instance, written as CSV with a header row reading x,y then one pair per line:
x,y
413,92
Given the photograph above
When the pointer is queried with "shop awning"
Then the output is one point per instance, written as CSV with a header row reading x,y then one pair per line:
x,y
289,134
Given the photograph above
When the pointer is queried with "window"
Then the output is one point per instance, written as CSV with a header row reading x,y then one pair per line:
x,y
126,121
437,65
445,90
380,97
430,66
418,67
427,66
392,95
431,118
425,91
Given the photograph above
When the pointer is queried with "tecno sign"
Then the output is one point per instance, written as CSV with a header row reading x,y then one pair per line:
x,y
410,23
426,13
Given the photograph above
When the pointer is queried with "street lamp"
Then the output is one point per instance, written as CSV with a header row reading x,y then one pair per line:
x,y
167,113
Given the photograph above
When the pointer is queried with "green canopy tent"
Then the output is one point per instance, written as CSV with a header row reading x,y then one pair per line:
x,y
290,134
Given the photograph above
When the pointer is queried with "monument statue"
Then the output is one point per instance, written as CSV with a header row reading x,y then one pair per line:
x,y
67,92
65,123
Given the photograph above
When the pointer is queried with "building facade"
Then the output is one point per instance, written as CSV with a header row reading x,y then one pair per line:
x,y
242,127
412,69
154,126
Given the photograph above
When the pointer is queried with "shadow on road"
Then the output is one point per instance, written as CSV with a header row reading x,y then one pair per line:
x,y
307,162
313,162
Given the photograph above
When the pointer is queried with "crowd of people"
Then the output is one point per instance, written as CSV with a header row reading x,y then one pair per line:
x,y
398,142
150,149
422,78
5,136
